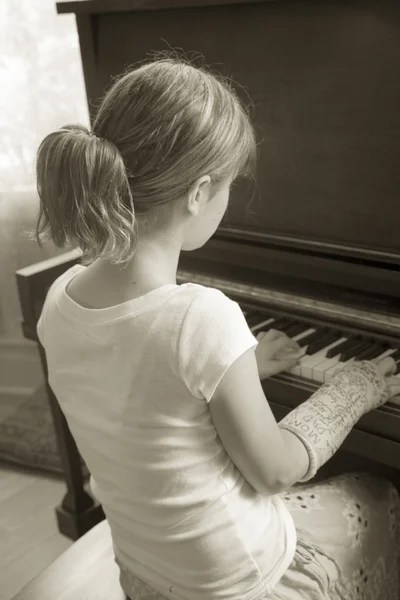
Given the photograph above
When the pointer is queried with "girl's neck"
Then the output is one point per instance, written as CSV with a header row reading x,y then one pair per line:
x,y
151,267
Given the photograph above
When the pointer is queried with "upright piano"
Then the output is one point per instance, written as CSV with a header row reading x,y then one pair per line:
x,y
313,249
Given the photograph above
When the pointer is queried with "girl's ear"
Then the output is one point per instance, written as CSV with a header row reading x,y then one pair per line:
x,y
199,194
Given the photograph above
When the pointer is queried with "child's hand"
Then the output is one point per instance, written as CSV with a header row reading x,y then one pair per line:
x,y
276,352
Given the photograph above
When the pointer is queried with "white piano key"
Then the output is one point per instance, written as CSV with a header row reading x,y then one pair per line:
x,y
259,326
300,336
316,367
309,362
321,372
320,366
324,371
332,370
296,369
385,354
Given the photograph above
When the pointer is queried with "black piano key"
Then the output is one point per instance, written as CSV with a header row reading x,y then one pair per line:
x,y
254,317
372,352
275,324
252,311
280,323
346,345
286,326
296,328
312,337
368,343
352,352
323,342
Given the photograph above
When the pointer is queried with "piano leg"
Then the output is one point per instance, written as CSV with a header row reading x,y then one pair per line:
x,y
78,511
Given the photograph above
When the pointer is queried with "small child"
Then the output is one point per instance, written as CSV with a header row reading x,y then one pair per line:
x,y
160,383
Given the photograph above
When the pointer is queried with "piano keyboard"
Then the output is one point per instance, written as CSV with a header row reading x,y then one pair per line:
x,y
326,349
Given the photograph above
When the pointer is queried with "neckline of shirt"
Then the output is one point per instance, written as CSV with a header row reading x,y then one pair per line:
x,y
131,307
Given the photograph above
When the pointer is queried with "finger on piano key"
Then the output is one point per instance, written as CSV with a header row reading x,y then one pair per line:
x,y
297,338
321,367
297,369
314,339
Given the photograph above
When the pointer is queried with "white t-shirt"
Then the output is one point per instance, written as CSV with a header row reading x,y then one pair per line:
x,y
134,382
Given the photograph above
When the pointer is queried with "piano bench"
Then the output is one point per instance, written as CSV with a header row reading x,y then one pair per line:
x,y
85,571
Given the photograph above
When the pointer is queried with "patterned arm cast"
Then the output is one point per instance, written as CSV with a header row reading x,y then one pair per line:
x,y
324,421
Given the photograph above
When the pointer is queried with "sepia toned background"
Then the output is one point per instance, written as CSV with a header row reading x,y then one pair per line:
x,y
42,88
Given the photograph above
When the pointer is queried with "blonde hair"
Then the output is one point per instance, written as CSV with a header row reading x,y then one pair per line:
x,y
159,127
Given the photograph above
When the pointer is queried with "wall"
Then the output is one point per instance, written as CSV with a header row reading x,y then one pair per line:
x,y
42,89
18,210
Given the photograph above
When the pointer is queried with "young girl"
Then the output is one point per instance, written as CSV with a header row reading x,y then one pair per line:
x,y
160,383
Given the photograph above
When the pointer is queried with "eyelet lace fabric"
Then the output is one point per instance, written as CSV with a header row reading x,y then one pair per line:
x,y
348,530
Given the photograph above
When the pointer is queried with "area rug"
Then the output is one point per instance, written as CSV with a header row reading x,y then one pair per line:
x,y
28,437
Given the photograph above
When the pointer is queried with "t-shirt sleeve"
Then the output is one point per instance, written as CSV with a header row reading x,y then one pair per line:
x,y
39,328
214,334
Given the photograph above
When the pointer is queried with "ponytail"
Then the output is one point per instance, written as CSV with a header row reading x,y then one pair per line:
x,y
158,128
85,195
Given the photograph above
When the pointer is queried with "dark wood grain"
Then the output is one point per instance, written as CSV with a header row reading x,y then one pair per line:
x,y
104,6
322,77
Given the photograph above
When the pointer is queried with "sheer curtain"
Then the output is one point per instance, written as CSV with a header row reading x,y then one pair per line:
x,y
41,89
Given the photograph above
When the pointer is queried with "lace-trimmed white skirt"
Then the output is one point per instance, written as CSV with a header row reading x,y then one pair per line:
x,y
348,530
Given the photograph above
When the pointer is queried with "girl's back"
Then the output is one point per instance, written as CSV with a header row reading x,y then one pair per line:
x,y
133,381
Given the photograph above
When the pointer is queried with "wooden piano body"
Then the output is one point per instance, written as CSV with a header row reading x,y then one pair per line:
x,y
321,244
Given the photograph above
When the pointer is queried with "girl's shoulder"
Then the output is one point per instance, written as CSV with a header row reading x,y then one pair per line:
x,y
204,293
